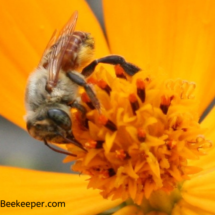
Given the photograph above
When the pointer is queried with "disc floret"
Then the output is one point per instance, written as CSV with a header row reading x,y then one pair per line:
x,y
143,138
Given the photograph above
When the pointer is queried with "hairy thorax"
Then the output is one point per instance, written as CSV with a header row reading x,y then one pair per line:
x,y
65,91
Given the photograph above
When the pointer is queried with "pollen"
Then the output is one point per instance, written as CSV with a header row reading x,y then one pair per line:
x,y
92,80
91,144
85,98
103,119
134,103
103,174
141,89
141,135
165,103
120,154
107,123
144,137
104,86
119,72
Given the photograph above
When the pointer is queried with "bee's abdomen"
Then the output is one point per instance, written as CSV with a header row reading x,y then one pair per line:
x,y
77,40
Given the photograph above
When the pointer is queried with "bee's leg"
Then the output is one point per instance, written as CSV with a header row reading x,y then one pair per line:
x,y
79,107
81,82
129,68
82,110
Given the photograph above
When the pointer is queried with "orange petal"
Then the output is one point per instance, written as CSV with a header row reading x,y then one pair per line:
x,y
58,13
209,124
165,36
200,191
208,160
129,210
34,186
156,213
182,208
28,27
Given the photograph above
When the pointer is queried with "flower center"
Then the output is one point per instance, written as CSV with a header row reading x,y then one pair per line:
x,y
142,139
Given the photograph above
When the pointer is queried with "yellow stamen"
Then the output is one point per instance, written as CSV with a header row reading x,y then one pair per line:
x,y
141,134
85,98
134,103
141,89
103,120
140,83
143,138
107,123
119,72
121,154
92,80
104,86
91,144
165,103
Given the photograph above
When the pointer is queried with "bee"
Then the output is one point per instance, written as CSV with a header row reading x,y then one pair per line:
x,y
52,89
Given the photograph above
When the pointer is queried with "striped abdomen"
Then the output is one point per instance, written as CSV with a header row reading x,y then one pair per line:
x,y
78,42
78,53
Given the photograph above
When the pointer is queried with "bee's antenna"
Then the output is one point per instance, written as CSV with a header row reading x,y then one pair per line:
x,y
57,150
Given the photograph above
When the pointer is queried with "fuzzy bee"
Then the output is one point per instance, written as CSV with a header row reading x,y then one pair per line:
x,y
52,89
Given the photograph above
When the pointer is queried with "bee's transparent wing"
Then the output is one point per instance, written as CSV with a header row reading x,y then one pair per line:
x,y
45,58
58,50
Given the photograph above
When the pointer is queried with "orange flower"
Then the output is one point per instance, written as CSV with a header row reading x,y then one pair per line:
x,y
164,39
143,139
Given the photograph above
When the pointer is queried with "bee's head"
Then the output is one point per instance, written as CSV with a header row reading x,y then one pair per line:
x,y
52,125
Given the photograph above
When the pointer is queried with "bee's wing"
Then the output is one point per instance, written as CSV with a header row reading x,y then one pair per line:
x,y
50,43
58,50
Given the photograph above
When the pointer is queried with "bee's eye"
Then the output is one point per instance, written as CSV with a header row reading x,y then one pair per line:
x,y
60,117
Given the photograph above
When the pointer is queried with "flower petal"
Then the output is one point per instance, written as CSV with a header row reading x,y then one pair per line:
x,y
156,213
61,11
129,210
200,191
177,38
209,124
34,186
27,30
183,207
208,161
